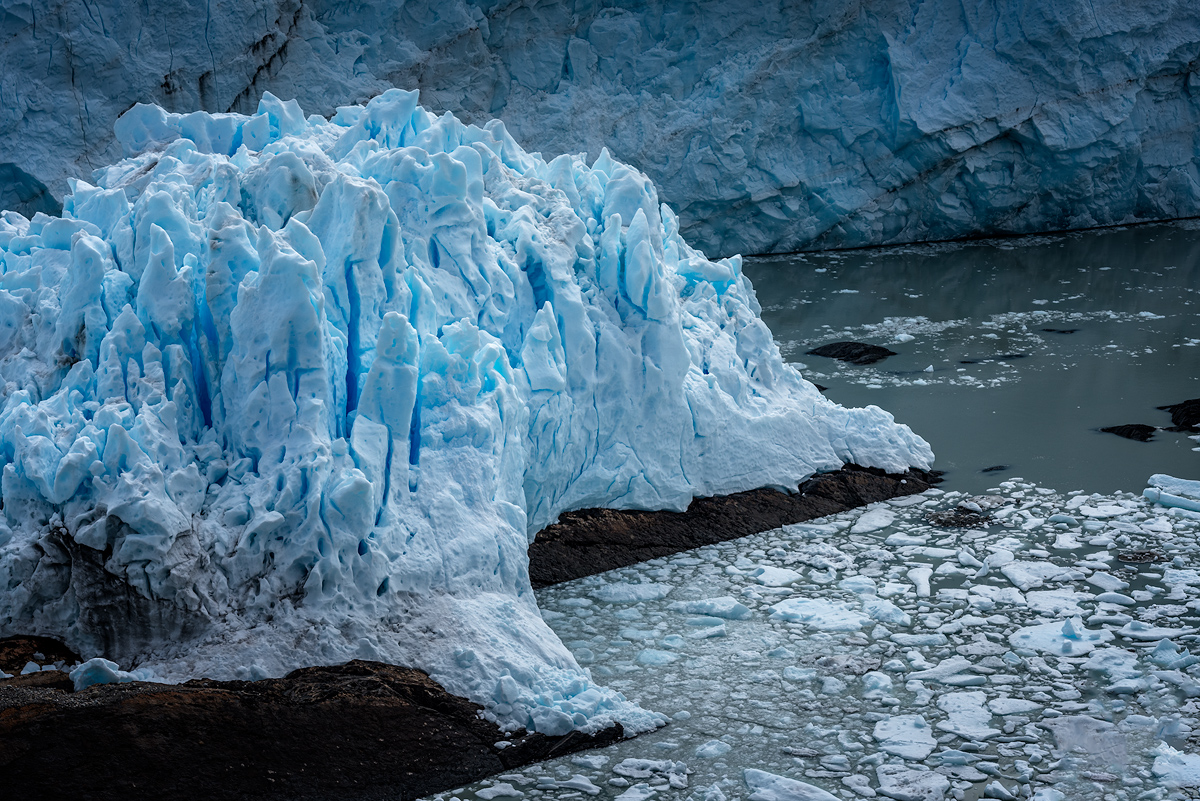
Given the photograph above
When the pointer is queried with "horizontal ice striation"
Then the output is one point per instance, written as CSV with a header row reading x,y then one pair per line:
x,y
281,391
798,125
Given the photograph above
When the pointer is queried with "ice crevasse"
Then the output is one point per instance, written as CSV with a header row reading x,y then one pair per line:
x,y
280,391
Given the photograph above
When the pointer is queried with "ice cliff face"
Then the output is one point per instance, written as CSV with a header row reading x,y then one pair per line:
x,y
769,127
279,391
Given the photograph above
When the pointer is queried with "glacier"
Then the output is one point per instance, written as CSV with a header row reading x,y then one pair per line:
x,y
279,390
834,123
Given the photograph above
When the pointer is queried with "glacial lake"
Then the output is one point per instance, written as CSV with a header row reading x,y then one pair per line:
x,y
878,654
1130,297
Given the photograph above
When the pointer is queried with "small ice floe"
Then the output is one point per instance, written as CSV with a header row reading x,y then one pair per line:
x,y
1068,638
769,787
906,736
623,592
726,607
820,614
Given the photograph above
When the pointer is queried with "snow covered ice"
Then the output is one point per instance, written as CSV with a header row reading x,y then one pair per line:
x,y
952,704
279,390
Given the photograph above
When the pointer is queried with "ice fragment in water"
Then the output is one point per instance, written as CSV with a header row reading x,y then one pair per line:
x,y
770,787
906,736
820,614
1068,638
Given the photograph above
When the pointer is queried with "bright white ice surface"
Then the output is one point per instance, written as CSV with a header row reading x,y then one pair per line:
x,y
280,391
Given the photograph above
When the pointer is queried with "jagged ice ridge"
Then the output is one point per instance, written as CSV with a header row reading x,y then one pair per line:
x,y
280,391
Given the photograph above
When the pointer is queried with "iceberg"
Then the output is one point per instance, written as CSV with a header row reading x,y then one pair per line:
x,y
279,390
769,129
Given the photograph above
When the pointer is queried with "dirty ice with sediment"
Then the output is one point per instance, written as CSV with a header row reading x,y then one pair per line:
x,y
279,390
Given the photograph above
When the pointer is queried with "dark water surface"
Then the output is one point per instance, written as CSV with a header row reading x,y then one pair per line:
x,y
1003,390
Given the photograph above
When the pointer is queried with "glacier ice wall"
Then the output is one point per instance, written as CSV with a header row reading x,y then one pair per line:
x,y
768,127
278,391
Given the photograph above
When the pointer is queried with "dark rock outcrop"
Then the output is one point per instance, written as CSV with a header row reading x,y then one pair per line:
x,y
362,730
852,352
1134,431
1185,415
591,541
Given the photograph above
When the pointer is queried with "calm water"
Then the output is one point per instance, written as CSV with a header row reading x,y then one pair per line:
x,y
1131,297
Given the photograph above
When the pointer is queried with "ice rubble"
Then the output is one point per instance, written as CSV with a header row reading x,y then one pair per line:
x,y
773,127
974,696
281,391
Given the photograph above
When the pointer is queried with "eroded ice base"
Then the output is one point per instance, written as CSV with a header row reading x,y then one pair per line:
x,y
872,653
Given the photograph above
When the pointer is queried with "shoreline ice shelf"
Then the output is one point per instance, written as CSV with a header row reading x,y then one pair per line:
x,y
281,391
774,128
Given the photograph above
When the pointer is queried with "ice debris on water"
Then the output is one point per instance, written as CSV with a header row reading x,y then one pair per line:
x,y
988,691
300,390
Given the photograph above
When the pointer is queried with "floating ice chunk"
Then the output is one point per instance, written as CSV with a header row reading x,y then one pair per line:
x,y
885,611
638,792
1058,603
579,782
1108,582
1170,656
907,736
725,607
770,787
967,716
1068,638
875,518
655,657
1175,768
945,669
623,592
499,790
713,749
876,684
920,576
905,784
1006,705
1115,598
771,576
1028,575
820,614
675,772
1176,486
1139,630
103,671
592,761
1048,794
900,539
859,585
1104,511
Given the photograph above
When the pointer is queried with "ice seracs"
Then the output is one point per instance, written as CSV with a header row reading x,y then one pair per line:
x,y
279,390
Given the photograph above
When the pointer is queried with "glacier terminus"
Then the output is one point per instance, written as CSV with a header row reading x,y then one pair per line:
x,y
279,390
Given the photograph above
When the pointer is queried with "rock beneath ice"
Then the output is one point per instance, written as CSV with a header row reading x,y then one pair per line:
x,y
770,787
907,736
906,784
299,391
819,614
1066,638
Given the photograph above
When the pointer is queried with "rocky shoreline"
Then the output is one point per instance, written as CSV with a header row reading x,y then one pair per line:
x,y
363,730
